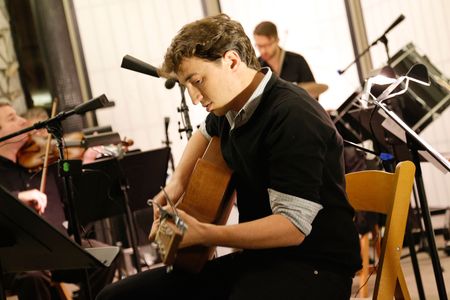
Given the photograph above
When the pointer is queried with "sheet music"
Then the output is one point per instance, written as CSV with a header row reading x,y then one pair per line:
x,y
393,127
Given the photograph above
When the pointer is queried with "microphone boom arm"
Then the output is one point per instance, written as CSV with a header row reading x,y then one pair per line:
x,y
382,39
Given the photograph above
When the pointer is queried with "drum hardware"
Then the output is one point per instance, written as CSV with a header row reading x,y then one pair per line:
x,y
314,89
421,105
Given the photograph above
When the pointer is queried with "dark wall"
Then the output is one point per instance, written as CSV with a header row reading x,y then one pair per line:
x,y
45,54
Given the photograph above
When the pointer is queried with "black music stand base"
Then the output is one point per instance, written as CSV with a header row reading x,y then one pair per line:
x,y
429,232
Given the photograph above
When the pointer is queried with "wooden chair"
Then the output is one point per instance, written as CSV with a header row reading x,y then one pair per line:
x,y
387,193
373,237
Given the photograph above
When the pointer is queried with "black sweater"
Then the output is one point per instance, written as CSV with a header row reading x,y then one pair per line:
x,y
16,178
290,145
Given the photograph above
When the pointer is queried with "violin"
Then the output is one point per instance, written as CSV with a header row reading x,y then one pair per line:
x,y
32,153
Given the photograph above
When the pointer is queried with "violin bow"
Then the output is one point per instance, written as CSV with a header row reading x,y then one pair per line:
x,y
47,150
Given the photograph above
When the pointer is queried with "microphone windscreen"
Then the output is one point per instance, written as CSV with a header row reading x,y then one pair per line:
x,y
170,83
132,63
90,105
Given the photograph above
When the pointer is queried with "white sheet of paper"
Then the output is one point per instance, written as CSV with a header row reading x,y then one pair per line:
x,y
392,127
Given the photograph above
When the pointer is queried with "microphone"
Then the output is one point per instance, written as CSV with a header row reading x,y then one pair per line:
x,y
131,63
93,104
396,22
170,83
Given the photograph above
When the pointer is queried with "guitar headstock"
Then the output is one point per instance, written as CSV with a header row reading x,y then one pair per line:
x,y
168,238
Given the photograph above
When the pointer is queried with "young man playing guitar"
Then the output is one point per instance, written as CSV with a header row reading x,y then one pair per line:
x,y
295,224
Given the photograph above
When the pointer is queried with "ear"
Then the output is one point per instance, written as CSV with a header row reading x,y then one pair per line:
x,y
232,59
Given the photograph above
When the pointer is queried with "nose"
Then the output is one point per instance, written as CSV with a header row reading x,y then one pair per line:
x,y
263,50
195,94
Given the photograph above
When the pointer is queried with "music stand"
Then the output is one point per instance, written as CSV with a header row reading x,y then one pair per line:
x,y
28,243
98,190
121,186
418,147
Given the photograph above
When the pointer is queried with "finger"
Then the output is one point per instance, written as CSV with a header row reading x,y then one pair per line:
x,y
41,203
156,212
44,201
182,214
171,209
153,230
36,205
152,234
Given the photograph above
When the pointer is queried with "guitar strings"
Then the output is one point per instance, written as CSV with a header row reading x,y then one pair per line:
x,y
170,202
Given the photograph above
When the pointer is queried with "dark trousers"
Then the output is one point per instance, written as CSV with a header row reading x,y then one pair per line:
x,y
235,276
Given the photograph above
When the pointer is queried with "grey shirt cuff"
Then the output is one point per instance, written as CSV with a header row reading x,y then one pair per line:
x,y
299,211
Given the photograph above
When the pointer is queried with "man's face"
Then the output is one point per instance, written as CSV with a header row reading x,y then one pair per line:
x,y
266,45
209,83
10,122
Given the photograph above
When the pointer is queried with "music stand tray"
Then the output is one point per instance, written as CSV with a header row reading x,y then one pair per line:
x,y
98,190
28,242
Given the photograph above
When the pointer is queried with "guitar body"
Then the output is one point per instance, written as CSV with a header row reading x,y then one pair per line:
x,y
209,198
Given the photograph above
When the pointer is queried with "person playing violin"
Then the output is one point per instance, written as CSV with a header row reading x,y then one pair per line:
x,y
31,156
24,185
10,122
295,226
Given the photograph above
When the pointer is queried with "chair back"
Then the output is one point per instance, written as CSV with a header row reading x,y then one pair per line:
x,y
389,194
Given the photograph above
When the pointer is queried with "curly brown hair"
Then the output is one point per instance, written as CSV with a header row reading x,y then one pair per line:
x,y
209,39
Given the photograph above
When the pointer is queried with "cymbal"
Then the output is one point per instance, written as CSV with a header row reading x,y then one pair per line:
x,y
314,89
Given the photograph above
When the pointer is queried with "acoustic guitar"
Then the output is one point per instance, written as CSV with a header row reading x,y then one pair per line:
x,y
209,198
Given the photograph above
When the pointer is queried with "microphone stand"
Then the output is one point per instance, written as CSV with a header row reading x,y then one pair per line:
x,y
67,169
129,217
184,110
167,142
383,39
361,148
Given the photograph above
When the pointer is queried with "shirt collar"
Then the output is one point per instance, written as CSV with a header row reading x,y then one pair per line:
x,y
237,119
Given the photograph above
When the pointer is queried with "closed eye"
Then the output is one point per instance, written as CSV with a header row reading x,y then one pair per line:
x,y
196,80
